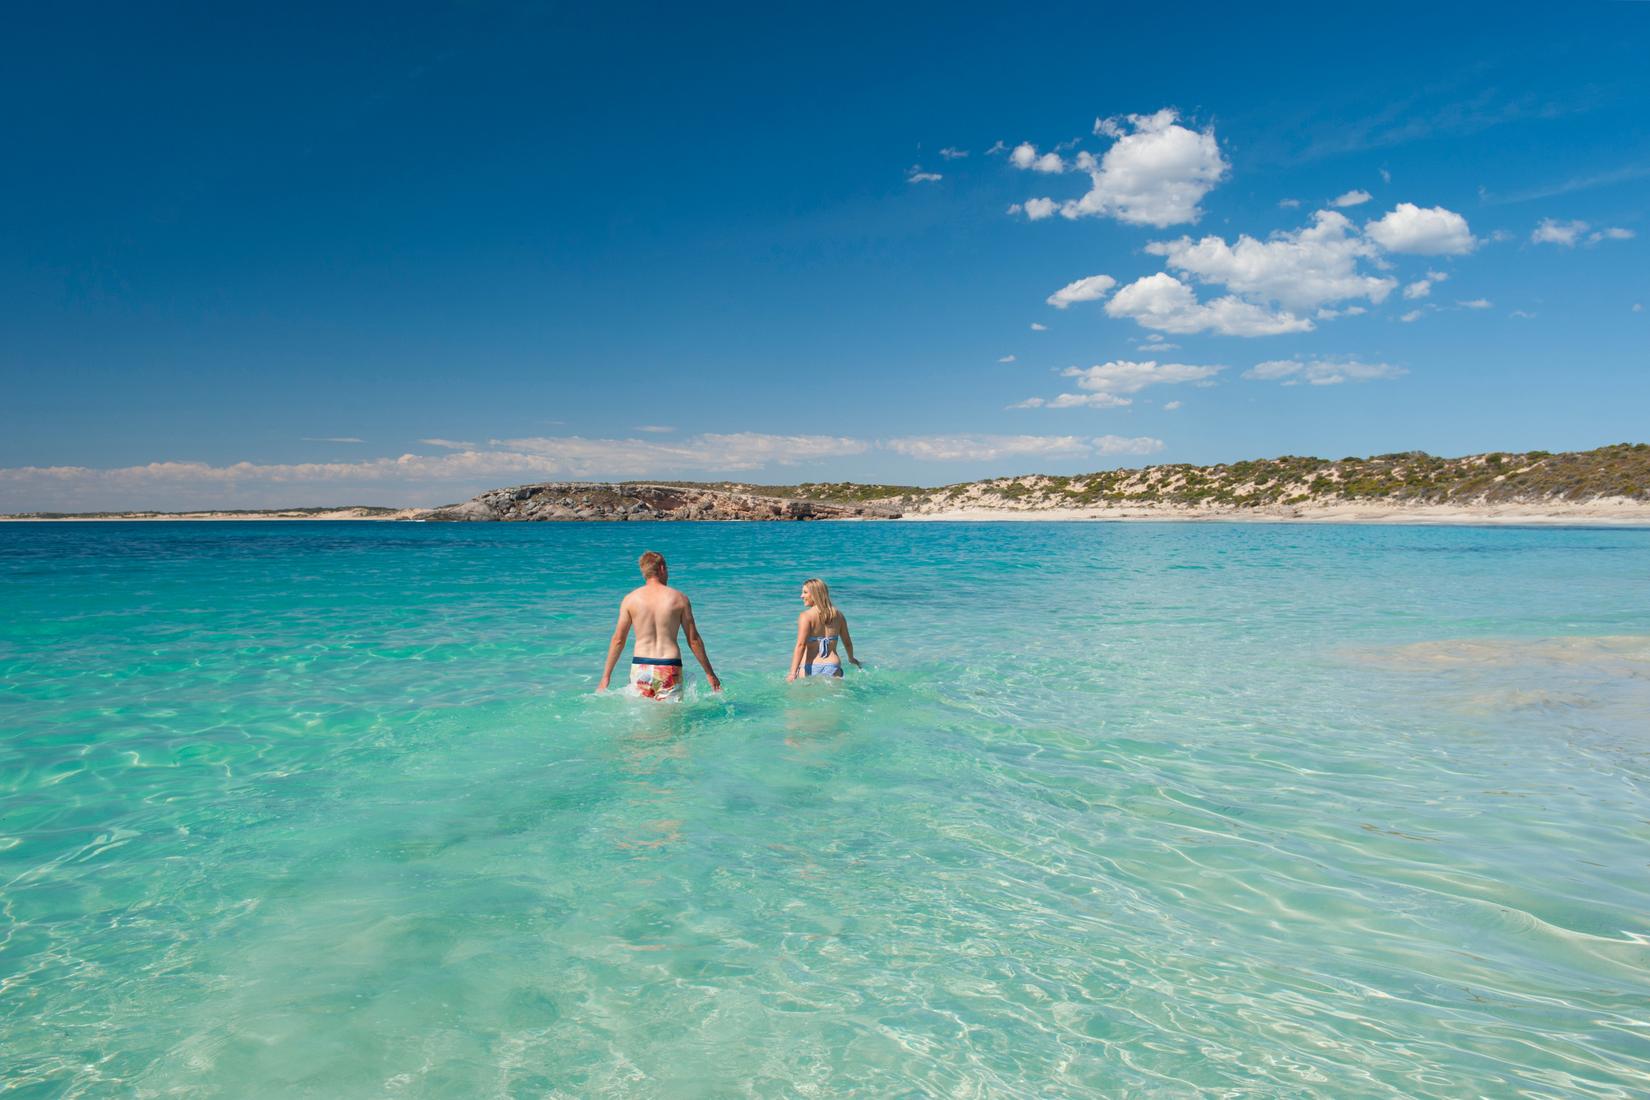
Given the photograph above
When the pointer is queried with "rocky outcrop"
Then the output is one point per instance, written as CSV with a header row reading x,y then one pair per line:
x,y
585,501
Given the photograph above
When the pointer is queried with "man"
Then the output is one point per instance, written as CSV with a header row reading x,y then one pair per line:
x,y
657,611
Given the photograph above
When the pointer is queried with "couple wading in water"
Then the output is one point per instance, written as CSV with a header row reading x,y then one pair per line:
x,y
658,613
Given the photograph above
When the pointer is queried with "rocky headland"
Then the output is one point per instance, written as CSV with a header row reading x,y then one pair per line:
x,y
573,501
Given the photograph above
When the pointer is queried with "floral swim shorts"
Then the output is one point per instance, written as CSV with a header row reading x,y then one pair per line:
x,y
657,677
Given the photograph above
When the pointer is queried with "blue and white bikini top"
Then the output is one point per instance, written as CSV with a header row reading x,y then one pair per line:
x,y
828,644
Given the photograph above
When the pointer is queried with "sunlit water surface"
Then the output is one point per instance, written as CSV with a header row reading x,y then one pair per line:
x,y
331,810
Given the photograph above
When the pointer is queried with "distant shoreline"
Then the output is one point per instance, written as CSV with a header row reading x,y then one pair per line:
x,y
1607,487
1364,516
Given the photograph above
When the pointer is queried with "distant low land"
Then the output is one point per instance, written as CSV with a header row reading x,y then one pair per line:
x,y
1605,485
353,511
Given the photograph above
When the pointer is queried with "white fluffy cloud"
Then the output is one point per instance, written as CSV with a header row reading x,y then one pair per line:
x,y
1299,270
1035,209
1006,359
1107,385
1089,289
1163,302
1037,327
1433,231
1024,155
1321,372
1155,173
1613,233
1352,198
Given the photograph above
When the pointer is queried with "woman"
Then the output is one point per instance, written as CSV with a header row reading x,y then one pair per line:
x,y
818,630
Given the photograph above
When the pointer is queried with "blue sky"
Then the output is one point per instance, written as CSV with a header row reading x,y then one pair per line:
x,y
396,255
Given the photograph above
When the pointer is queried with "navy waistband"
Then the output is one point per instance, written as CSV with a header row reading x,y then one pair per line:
x,y
673,661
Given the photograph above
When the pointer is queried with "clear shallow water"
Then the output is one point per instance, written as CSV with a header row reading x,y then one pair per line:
x,y
330,810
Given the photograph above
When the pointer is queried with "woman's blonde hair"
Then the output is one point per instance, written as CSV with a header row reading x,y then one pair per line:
x,y
821,596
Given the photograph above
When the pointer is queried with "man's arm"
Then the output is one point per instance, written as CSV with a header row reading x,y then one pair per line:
x,y
697,644
621,634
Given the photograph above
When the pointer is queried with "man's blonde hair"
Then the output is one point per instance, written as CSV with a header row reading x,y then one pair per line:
x,y
652,563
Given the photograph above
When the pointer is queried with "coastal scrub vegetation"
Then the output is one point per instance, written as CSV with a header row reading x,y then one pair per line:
x,y
1407,477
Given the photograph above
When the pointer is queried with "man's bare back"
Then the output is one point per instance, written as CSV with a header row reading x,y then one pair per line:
x,y
658,613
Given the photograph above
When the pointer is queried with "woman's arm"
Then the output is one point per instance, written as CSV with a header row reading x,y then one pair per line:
x,y
801,646
847,639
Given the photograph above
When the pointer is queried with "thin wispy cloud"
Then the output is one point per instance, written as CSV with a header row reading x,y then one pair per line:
x,y
982,448
1562,233
1445,109
1321,372
449,444
1627,173
332,439
411,476
1568,234
1113,384
915,174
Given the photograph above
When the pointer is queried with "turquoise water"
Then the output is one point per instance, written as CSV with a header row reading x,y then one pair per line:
x,y
331,810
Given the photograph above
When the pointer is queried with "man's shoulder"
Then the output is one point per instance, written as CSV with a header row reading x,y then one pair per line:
x,y
661,593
